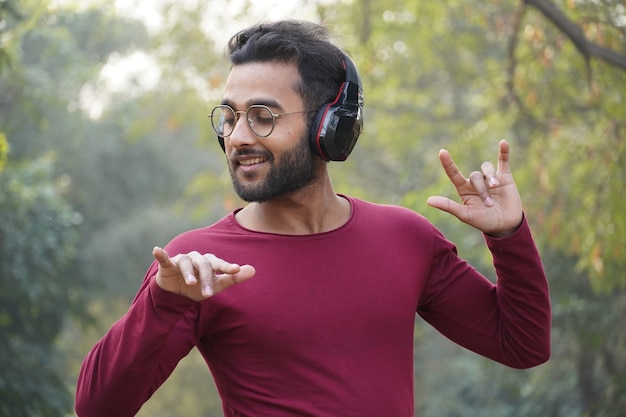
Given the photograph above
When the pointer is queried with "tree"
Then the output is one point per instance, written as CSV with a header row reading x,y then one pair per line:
x,y
463,74
514,73
612,12
50,56
6,11
4,150
38,237
568,104
454,74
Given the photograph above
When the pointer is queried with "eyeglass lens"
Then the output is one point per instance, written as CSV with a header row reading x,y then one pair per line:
x,y
259,118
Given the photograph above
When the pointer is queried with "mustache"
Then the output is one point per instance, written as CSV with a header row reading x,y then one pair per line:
x,y
251,152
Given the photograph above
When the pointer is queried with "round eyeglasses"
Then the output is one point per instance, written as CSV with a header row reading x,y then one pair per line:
x,y
259,117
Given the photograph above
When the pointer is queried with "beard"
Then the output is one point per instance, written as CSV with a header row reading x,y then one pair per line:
x,y
295,171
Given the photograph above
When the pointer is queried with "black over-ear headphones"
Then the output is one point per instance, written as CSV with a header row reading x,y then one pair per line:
x,y
338,124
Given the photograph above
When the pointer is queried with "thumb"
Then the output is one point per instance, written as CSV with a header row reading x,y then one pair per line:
x,y
441,203
445,204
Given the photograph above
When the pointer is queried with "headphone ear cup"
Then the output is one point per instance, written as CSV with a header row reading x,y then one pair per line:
x,y
318,132
338,124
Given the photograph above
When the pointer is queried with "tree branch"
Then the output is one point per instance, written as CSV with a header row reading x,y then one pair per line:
x,y
510,55
575,33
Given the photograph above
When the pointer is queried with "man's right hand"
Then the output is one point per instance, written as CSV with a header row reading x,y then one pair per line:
x,y
198,276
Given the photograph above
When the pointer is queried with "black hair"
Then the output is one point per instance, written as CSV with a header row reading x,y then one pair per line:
x,y
305,44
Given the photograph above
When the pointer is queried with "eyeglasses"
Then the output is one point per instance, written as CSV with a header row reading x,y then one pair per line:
x,y
259,117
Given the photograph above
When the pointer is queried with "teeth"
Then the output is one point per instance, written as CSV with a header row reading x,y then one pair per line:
x,y
251,161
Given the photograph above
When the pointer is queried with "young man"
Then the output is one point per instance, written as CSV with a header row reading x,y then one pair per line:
x,y
303,302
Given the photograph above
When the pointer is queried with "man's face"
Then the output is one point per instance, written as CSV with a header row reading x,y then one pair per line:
x,y
281,163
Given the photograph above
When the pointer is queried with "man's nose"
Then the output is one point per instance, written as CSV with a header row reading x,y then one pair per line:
x,y
242,134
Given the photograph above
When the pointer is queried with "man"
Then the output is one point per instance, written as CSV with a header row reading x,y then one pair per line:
x,y
303,302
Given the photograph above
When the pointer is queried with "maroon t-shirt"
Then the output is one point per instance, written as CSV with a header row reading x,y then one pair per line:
x,y
325,327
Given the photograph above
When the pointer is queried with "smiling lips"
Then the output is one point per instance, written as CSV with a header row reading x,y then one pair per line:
x,y
252,161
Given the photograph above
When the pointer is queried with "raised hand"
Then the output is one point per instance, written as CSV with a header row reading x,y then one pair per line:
x,y
198,276
490,200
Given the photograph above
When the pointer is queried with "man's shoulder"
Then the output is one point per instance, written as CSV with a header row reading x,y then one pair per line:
x,y
388,214
196,239
390,210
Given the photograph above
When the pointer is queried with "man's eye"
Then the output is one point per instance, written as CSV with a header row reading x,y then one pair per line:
x,y
263,120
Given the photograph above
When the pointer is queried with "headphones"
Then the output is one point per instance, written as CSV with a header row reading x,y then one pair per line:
x,y
338,124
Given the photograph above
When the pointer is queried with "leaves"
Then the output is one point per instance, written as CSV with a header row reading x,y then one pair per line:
x,y
38,235
84,199
4,150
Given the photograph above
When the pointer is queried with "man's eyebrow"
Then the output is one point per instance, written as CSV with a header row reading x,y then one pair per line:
x,y
269,102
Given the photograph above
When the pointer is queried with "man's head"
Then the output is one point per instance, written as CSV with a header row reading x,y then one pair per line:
x,y
285,76
329,81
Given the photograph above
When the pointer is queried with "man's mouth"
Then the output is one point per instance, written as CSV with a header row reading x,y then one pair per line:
x,y
251,161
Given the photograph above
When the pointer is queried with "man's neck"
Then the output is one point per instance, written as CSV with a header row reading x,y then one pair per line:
x,y
312,210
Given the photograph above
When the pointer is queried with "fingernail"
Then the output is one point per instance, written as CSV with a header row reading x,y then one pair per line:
x,y
488,201
493,181
191,279
207,291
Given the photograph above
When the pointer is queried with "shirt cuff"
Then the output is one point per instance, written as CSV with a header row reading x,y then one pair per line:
x,y
168,304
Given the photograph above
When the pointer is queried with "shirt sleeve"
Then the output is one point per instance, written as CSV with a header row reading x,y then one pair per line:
x,y
508,321
138,353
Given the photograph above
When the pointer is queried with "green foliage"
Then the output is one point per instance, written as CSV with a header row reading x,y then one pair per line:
x,y
444,75
573,116
8,12
589,330
4,151
38,235
53,56
53,53
436,75
191,383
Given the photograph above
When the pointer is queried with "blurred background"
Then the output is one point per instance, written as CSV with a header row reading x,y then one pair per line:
x,y
106,151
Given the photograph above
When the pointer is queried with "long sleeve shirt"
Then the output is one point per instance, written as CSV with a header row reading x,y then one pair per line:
x,y
325,327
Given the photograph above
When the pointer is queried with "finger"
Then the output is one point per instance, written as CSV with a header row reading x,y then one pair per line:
x,y
503,157
164,260
243,273
489,171
161,257
206,272
209,266
455,175
444,204
449,206
479,182
186,268
221,266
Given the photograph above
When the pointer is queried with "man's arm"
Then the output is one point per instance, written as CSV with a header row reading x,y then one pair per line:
x,y
509,321
523,294
142,349
137,354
